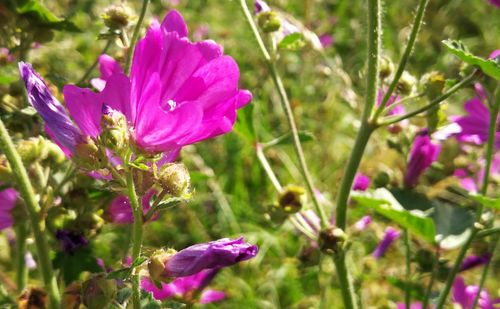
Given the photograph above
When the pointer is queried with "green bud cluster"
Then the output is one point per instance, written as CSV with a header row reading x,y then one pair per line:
x,y
116,16
269,21
174,179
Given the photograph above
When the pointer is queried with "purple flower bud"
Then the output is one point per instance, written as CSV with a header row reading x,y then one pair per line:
x,y
219,253
423,153
8,198
474,261
363,223
261,6
54,114
71,241
361,182
326,40
390,236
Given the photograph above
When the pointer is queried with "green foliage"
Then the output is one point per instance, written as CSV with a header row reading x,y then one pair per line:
x,y
41,16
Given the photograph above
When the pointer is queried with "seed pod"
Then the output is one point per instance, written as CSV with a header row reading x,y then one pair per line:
x,y
332,240
386,67
174,178
116,16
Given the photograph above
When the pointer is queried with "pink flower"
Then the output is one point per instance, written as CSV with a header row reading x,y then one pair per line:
x,y
422,154
120,210
363,223
390,235
326,40
8,198
361,182
465,295
470,181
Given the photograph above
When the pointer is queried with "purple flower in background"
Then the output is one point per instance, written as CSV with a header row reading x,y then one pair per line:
x,y
201,32
8,198
6,56
390,235
422,154
260,6
495,2
471,182
464,295
326,40
120,210
361,182
71,241
474,261
396,110
186,287
58,123
475,125
414,305
363,223
215,254
178,93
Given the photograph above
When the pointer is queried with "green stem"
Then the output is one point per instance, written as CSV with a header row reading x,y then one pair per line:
x,y
288,113
267,168
419,16
345,281
94,64
490,148
33,208
135,35
434,271
408,269
21,269
136,236
488,232
485,272
433,103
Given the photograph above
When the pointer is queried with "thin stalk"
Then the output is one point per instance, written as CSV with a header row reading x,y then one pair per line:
x,y
488,232
94,64
21,269
345,281
433,103
267,168
28,195
485,272
408,268
490,148
135,35
434,272
417,23
136,237
288,113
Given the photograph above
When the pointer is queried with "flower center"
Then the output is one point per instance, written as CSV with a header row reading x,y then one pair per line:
x,y
172,104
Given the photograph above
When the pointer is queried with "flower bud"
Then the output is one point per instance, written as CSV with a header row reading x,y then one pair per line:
x,y
269,21
116,16
331,240
157,263
386,67
406,83
174,178
72,296
425,260
433,83
31,149
114,133
88,156
98,292
291,198
5,171
32,298
381,180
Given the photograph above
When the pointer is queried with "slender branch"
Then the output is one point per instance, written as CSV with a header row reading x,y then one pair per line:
x,y
28,195
288,113
267,168
433,103
435,268
488,232
490,148
94,64
21,269
345,281
486,271
135,35
419,16
408,269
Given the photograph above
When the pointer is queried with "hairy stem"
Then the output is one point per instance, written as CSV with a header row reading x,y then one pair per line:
x,y
21,269
28,195
135,35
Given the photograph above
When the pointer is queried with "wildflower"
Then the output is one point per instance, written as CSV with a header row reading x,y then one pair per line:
x,y
326,40
474,261
71,241
120,210
363,223
5,56
396,109
472,181
8,198
422,154
215,254
495,3
178,93
475,125
390,235
465,295
361,182
186,288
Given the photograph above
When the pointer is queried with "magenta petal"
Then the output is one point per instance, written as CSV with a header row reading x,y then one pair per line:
x,y
166,291
108,66
85,106
116,94
211,296
244,97
173,22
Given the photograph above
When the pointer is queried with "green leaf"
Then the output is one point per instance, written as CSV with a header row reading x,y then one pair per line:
x,y
72,265
488,66
452,223
140,166
7,79
287,139
140,260
42,16
486,201
294,41
384,203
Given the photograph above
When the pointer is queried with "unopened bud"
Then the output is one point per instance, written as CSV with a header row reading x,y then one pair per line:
x,y
157,263
54,153
269,21
88,156
174,178
406,83
381,180
31,149
386,67
98,292
332,240
291,199
33,298
114,133
116,16
433,83
5,171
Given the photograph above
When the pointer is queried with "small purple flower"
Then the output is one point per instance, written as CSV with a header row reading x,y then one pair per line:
x,y
184,288
396,110
260,6
422,154
474,261
8,198
215,254
71,241
465,295
361,182
326,40
390,235
5,55
52,112
363,223
120,210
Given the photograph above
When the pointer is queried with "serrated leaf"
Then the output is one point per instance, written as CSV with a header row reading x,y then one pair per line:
x,y
42,16
384,203
294,41
487,201
488,66
287,139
